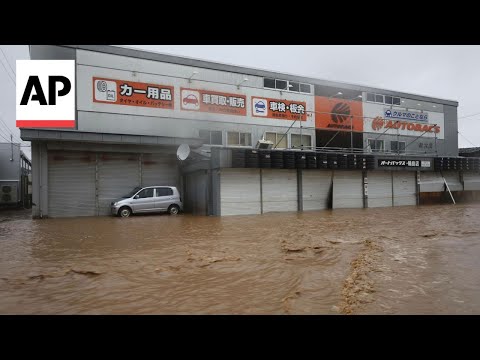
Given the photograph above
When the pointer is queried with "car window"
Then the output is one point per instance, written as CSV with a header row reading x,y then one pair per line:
x,y
145,193
164,192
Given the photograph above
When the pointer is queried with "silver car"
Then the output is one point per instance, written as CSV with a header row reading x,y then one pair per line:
x,y
148,199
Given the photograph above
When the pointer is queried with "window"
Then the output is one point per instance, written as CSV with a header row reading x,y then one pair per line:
x,y
287,85
211,137
146,193
304,140
305,88
281,84
280,139
293,86
240,139
379,98
397,147
375,145
396,101
371,97
269,83
388,99
164,191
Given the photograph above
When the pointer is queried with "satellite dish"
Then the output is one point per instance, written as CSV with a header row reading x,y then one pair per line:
x,y
183,151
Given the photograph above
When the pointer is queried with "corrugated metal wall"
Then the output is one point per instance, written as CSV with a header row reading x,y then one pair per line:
x,y
76,178
453,180
471,181
380,189
431,182
279,190
118,174
196,193
347,189
71,184
239,191
404,188
316,189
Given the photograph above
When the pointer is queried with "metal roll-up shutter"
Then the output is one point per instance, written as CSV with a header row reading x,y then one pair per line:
x,y
431,182
379,189
453,180
471,181
239,191
316,187
160,170
404,188
279,190
118,174
195,200
71,184
347,190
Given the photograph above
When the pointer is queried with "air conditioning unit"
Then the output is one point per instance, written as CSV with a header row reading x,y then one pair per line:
x,y
264,144
8,194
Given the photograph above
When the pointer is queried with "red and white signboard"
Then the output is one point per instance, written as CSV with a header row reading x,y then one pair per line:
x,y
213,102
279,109
45,93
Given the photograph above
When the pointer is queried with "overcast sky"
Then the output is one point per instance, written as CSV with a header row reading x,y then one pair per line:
x,y
447,71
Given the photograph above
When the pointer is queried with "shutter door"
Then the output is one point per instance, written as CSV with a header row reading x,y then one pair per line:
x,y
347,189
316,189
471,181
71,184
118,174
431,182
453,180
196,193
279,189
160,170
379,189
404,188
239,191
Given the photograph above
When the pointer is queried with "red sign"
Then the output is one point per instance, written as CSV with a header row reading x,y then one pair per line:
x,y
121,92
338,114
213,102
279,109
379,123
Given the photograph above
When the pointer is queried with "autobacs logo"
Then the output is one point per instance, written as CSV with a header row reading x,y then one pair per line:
x,y
45,93
340,112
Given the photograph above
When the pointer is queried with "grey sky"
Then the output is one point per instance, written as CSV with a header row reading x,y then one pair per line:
x,y
447,71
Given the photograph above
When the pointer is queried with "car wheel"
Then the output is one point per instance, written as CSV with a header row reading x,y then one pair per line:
x,y
173,209
124,212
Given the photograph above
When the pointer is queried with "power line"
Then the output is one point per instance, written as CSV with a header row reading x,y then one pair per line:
x,y
8,73
463,117
466,139
5,56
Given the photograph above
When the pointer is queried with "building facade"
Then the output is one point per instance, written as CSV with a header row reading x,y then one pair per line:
x,y
134,108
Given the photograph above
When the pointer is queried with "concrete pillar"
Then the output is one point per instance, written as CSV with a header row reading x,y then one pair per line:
x,y
39,180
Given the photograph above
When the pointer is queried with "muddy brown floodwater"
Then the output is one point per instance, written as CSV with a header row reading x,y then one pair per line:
x,y
403,260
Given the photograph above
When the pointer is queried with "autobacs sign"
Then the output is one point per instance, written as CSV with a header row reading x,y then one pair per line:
x,y
379,123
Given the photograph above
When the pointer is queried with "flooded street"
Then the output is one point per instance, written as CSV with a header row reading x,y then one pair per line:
x,y
402,260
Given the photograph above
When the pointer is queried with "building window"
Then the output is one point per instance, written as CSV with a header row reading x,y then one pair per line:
x,y
239,139
269,83
287,85
397,147
211,137
279,139
281,84
387,99
305,88
294,86
304,140
375,145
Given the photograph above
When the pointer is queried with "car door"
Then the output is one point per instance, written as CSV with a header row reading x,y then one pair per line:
x,y
145,201
163,198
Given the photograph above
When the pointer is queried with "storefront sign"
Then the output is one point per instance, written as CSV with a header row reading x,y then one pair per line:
x,y
379,123
405,115
338,114
213,102
404,163
279,109
121,92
